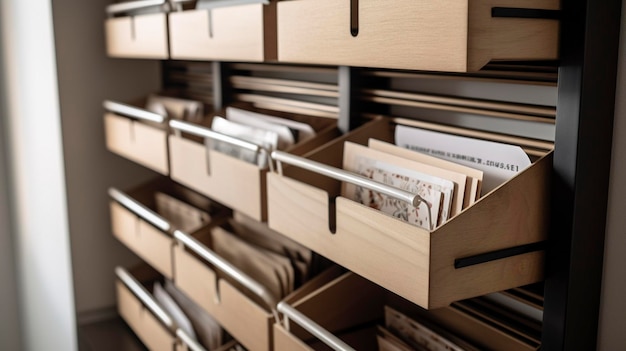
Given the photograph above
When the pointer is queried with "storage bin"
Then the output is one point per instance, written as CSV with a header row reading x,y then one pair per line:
x,y
329,306
137,134
240,32
451,35
137,29
200,273
136,222
493,245
143,314
227,179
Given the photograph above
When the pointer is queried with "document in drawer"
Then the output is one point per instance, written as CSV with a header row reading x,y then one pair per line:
x,y
416,334
176,108
301,131
499,162
273,272
173,309
261,137
208,330
437,193
182,215
474,176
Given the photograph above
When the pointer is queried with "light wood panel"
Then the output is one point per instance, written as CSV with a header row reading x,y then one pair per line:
x,y
152,245
142,36
249,323
449,35
415,263
233,182
285,341
137,141
229,180
244,32
146,326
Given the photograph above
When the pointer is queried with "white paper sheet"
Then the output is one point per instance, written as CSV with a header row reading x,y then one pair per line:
x,y
499,162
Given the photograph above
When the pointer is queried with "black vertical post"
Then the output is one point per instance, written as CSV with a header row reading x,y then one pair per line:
x,y
221,86
165,82
587,73
348,98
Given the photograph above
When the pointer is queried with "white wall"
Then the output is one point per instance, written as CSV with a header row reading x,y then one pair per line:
x,y
86,78
37,178
612,335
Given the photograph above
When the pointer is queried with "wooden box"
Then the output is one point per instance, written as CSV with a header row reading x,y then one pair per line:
x,y
142,313
450,35
224,178
332,308
137,134
233,33
199,273
132,34
135,222
493,245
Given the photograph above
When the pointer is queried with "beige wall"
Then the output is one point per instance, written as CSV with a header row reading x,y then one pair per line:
x,y
612,334
86,78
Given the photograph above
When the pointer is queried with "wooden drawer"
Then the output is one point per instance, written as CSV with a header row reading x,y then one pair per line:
x,y
142,313
134,35
146,317
227,179
246,320
137,224
137,134
493,245
331,308
232,33
450,35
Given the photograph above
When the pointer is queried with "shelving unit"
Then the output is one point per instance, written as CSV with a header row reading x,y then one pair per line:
x,y
582,148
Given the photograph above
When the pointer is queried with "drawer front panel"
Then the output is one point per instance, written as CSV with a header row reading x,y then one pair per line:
x,y
142,238
234,183
402,34
142,36
227,34
151,333
138,142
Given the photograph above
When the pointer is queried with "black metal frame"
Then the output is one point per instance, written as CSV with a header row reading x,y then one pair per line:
x,y
587,76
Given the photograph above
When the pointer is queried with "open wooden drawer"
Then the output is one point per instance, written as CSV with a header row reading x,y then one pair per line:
x,y
137,29
245,31
329,317
137,134
235,183
451,35
145,218
145,316
327,306
218,287
493,245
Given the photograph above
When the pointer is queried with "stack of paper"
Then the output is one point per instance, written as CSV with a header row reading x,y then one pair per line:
x,y
402,333
269,132
271,259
